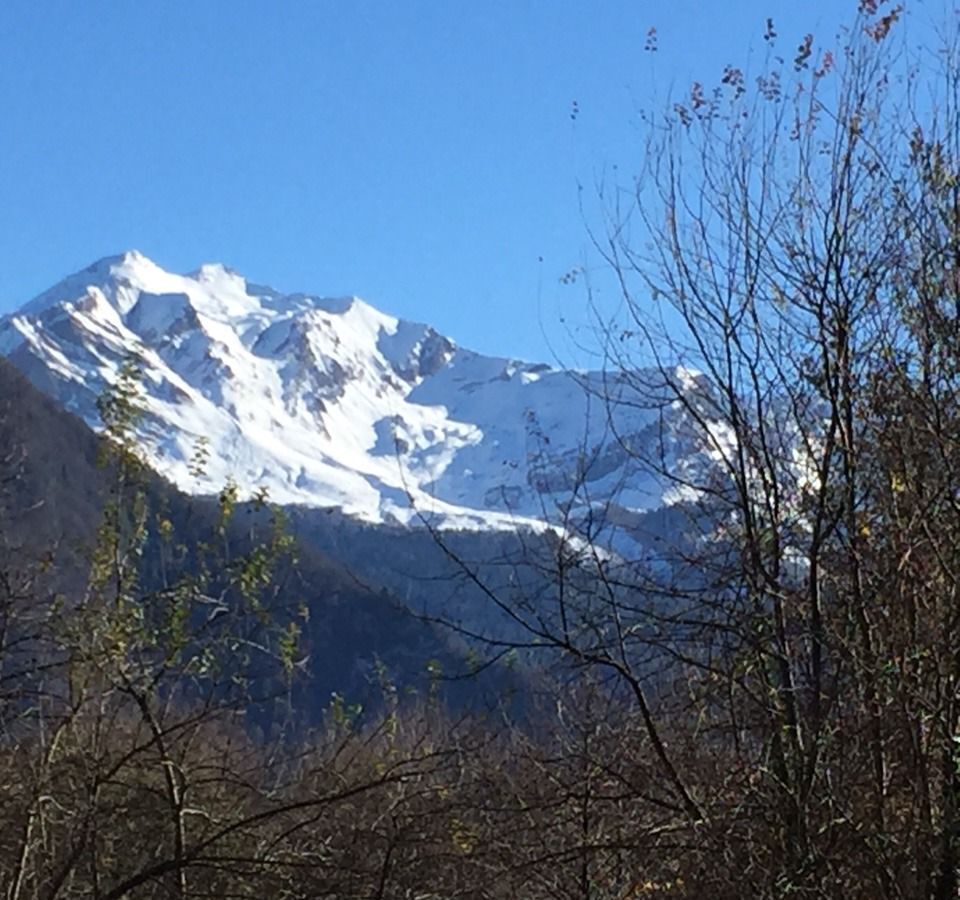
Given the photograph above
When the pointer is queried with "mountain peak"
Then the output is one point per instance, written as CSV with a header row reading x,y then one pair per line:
x,y
130,263
110,274
118,260
216,271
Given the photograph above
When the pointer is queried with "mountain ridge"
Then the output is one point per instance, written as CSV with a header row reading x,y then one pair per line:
x,y
328,402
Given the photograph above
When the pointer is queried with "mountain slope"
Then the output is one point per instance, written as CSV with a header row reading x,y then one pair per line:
x,y
331,403
52,492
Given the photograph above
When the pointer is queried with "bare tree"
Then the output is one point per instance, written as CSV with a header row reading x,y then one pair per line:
x,y
787,258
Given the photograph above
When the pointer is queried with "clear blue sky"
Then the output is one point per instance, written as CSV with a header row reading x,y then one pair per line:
x,y
419,154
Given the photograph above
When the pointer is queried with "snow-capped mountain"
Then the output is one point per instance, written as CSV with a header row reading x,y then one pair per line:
x,y
329,402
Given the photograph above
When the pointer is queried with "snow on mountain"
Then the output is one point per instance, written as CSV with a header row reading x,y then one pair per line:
x,y
329,402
